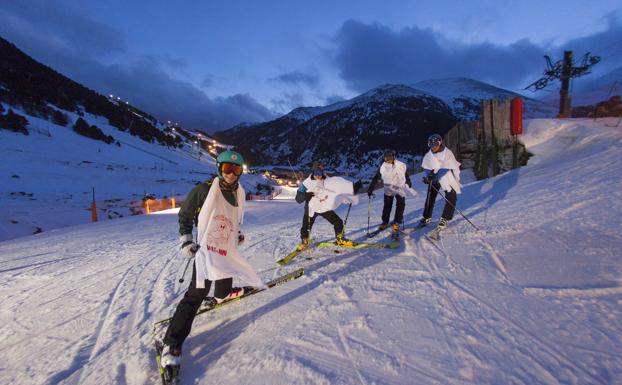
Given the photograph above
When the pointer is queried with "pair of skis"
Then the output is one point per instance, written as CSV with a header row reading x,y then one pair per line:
x,y
170,374
391,245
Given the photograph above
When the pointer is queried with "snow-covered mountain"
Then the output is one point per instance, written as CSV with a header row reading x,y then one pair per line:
x,y
350,135
463,95
534,297
59,140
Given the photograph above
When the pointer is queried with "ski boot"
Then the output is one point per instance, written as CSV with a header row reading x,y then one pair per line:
x,y
383,226
303,245
395,231
436,233
236,292
423,222
342,241
170,356
170,359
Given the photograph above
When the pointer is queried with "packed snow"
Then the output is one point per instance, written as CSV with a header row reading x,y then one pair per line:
x,y
532,297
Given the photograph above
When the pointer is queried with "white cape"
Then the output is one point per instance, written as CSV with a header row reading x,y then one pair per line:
x,y
444,159
218,257
394,179
329,193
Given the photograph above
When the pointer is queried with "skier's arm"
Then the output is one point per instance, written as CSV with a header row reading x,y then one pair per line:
x,y
300,194
374,180
189,210
408,182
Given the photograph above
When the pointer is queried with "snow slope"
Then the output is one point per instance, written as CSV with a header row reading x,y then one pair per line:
x,y
535,297
48,176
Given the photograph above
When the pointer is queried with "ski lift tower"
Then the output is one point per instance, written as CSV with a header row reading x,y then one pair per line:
x,y
564,70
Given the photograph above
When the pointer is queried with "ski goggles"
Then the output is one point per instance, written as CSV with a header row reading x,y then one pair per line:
x,y
434,142
231,168
318,173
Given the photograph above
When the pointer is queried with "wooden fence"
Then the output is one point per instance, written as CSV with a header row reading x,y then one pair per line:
x,y
487,145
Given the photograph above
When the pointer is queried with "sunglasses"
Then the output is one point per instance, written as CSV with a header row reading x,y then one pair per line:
x,y
231,168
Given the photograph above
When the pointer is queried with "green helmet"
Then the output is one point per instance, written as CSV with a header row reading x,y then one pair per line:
x,y
228,157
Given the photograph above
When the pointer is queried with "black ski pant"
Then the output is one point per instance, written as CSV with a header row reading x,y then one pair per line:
x,y
399,208
448,210
330,216
180,325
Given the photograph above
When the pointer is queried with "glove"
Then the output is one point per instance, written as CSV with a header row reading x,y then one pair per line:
x,y
431,177
188,247
370,193
240,238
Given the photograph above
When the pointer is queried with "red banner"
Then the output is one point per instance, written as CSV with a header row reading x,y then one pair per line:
x,y
516,116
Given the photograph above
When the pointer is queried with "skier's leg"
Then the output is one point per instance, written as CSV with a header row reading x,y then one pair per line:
x,y
448,210
334,220
224,290
429,202
186,310
400,205
304,229
222,287
386,208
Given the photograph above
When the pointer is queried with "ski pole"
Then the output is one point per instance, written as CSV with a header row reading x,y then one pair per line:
x,y
452,205
347,215
368,213
181,280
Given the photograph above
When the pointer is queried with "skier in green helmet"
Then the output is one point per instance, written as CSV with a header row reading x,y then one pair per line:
x,y
216,208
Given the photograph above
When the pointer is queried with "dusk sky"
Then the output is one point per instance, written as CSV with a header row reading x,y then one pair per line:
x,y
213,64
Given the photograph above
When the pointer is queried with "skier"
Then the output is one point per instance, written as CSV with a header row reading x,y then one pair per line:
x,y
315,206
443,172
216,208
395,179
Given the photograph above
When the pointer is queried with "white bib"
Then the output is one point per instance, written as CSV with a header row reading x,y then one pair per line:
x,y
444,159
394,179
329,193
218,226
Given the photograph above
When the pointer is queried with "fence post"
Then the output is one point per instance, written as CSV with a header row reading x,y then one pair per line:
x,y
483,150
493,140
93,208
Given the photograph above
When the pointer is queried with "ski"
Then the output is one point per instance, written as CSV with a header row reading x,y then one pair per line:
x,y
286,259
395,235
435,234
376,232
390,245
211,304
410,230
169,374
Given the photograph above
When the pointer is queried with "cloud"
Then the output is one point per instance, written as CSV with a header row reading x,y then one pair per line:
x,y
48,28
145,84
288,101
298,77
368,55
79,48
